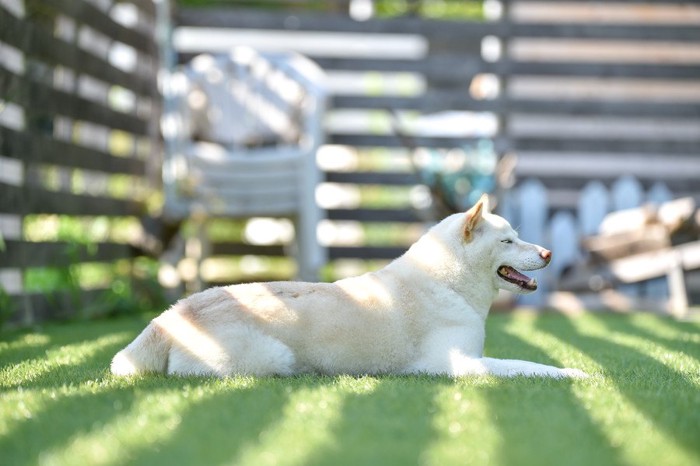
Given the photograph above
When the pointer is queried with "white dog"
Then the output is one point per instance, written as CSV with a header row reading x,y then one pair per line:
x,y
422,314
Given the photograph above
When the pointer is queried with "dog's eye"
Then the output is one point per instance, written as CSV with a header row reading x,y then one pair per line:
x,y
507,241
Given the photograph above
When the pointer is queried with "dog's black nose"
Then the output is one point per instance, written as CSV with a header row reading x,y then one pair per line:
x,y
546,254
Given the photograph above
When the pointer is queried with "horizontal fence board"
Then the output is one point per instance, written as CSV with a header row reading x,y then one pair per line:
x,y
42,45
429,102
436,69
365,252
37,148
33,200
604,107
453,68
40,53
438,101
373,177
55,305
47,101
455,30
240,280
576,168
375,215
60,253
146,7
622,31
387,140
562,182
218,248
679,72
324,22
445,70
609,145
334,252
86,13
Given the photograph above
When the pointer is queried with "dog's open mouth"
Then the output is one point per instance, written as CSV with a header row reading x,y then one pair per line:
x,y
511,275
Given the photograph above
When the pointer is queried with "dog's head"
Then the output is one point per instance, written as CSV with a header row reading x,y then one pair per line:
x,y
491,243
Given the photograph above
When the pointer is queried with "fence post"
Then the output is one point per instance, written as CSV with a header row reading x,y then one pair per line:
x,y
627,193
593,206
657,289
564,240
533,210
507,208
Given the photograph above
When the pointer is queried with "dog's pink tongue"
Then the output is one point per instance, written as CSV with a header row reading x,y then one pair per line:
x,y
516,277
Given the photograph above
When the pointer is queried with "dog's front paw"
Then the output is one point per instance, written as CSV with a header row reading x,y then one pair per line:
x,y
568,373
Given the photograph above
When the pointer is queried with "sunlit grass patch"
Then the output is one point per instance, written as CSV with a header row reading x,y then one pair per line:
x,y
59,404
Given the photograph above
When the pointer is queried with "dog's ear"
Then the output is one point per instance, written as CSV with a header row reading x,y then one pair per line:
x,y
474,216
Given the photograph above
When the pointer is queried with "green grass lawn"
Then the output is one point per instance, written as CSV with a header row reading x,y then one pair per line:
x,y
59,405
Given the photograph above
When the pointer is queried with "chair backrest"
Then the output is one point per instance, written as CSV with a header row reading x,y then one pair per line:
x,y
231,119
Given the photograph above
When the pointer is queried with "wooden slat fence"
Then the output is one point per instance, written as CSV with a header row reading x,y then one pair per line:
x,y
79,110
584,91
576,91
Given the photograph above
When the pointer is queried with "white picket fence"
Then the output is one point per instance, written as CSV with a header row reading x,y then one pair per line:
x,y
527,207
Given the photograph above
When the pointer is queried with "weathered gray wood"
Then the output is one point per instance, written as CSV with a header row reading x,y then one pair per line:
x,y
219,248
606,248
35,254
606,145
684,184
302,21
365,252
374,215
529,144
33,200
27,92
626,193
146,7
656,263
88,14
32,308
438,100
42,45
39,148
601,70
36,139
378,140
658,288
379,178
656,32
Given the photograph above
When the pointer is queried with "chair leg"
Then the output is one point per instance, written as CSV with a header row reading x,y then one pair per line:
x,y
168,273
310,255
678,300
198,248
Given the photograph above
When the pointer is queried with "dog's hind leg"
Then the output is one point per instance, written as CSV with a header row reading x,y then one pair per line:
x,y
236,350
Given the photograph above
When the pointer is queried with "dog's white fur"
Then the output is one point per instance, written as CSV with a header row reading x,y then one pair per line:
x,y
423,313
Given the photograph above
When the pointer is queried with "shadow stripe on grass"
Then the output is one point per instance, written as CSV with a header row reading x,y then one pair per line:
x,y
541,420
655,389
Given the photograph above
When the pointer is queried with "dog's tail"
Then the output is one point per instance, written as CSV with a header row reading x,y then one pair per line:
x,y
147,353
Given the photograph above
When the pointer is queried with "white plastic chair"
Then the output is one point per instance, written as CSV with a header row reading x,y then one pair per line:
x,y
241,132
